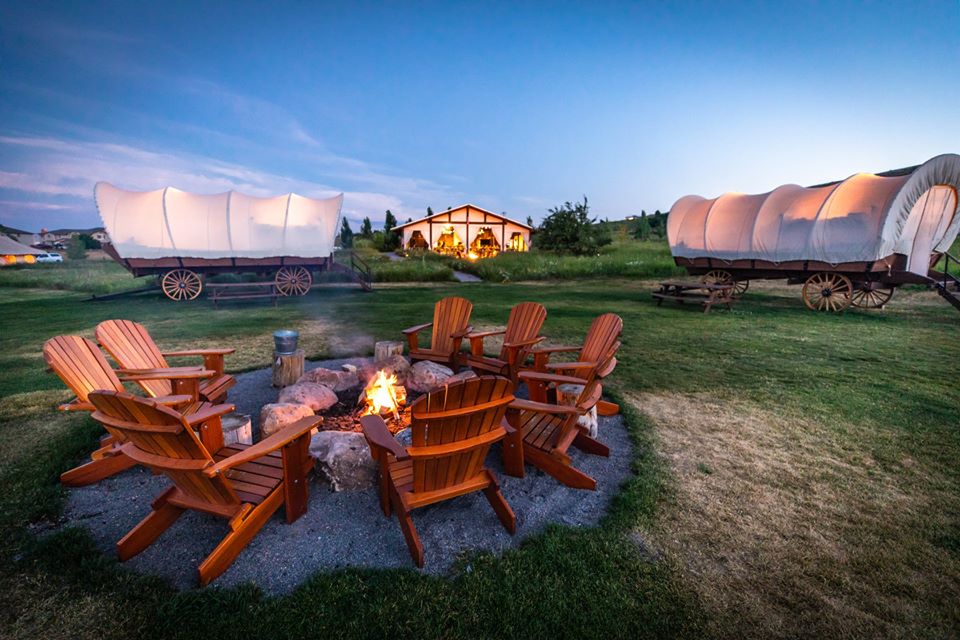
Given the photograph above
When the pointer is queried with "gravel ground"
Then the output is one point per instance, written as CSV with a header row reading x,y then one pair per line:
x,y
345,529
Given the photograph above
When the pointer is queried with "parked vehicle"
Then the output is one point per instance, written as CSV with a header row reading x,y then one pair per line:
x,y
50,257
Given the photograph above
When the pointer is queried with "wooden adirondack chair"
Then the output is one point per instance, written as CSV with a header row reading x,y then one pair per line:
x,y
80,364
453,429
132,347
244,484
597,352
541,433
520,335
451,322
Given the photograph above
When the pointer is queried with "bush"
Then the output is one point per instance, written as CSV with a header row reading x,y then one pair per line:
x,y
76,250
569,229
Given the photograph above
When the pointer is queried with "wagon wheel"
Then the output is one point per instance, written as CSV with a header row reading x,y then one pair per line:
x,y
868,297
827,292
293,281
719,276
181,284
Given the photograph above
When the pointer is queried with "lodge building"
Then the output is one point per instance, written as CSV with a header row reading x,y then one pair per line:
x,y
466,231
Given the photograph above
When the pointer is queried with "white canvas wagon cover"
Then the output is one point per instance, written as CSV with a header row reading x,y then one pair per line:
x,y
861,219
172,223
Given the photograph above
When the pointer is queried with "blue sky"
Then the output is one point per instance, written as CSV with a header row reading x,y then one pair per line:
x,y
515,107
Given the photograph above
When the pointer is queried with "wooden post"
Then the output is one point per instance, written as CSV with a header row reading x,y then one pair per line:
x,y
386,348
287,369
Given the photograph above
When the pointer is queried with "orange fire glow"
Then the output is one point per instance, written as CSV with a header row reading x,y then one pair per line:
x,y
384,395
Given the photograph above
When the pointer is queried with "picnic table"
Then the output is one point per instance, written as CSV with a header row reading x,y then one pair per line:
x,y
704,293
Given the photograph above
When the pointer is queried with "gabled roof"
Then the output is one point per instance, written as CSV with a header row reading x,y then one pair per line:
x,y
463,206
11,247
5,229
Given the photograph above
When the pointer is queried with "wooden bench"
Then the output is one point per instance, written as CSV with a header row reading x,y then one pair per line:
x,y
706,294
219,291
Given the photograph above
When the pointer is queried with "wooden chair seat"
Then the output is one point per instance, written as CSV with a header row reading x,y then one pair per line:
x,y
130,344
244,484
452,431
540,429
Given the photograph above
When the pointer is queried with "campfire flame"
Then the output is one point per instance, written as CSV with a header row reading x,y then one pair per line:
x,y
384,396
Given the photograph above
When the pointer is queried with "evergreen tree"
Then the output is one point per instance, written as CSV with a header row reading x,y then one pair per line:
x,y
530,221
346,234
366,229
390,238
429,212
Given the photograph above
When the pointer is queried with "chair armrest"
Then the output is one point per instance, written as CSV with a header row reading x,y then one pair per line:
x,y
76,405
175,373
540,376
207,412
172,401
276,441
377,435
543,407
556,349
563,366
199,352
523,343
416,329
462,333
484,334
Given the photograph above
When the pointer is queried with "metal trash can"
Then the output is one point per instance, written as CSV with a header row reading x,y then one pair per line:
x,y
285,341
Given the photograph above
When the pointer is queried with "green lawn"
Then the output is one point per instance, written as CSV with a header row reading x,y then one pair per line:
x,y
869,400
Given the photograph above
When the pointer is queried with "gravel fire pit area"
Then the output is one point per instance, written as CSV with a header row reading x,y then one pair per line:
x,y
345,527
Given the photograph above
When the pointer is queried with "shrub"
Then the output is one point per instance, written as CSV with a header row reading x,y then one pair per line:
x,y
76,250
569,229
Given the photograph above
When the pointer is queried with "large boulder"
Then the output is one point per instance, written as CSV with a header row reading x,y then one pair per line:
x,y
343,458
336,380
395,364
274,417
425,376
463,375
318,397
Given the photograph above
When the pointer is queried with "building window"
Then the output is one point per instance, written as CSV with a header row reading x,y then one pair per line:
x,y
417,241
449,243
517,243
484,244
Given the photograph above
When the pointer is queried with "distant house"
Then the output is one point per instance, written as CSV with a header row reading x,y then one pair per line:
x,y
466,231
13,252
21,236
63,235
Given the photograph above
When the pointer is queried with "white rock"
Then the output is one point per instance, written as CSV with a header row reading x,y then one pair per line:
x,y
568,394
318,397
343,457
274,417
336,380
426,376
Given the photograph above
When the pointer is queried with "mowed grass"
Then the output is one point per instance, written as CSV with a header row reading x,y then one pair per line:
x,y
876,391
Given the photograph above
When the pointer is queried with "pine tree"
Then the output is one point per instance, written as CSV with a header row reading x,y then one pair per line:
x,y
390,238
366,229
429,212
346,234
530,221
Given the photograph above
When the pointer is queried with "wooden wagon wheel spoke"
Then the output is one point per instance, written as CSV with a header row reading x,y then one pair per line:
x,y
293,281
181,284
871,298
827,292
719,276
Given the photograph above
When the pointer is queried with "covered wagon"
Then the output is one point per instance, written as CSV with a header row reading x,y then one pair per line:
x,y
848,242
183,237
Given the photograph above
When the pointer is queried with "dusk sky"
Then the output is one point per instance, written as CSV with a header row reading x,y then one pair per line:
x,y
514,107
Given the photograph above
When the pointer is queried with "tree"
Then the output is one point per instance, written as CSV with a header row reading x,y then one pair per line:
x,y
76,249
390,238
346,234
88,241
429,212
530,221
569,229
366,229
643,230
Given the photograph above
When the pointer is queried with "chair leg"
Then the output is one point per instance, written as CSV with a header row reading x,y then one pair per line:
x,y
512,452
96,470
243,529
500,506
589,445
409,531
561,471
605,408
144,534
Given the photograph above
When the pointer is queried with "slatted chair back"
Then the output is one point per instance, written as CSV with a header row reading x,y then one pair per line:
x,y
524,324
81,365
453,429
604,332
450,315
131,346
159,438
